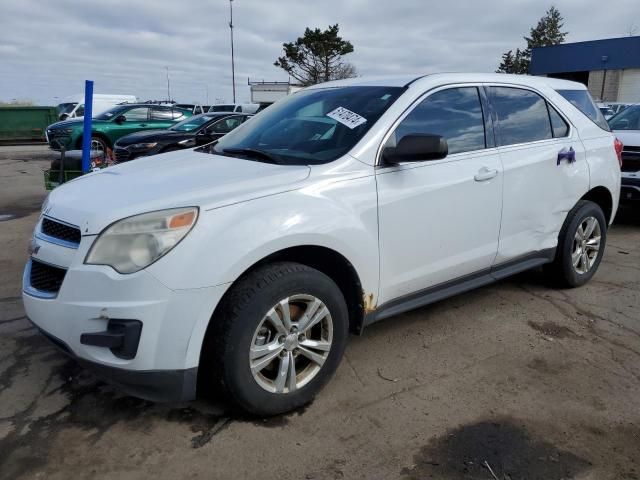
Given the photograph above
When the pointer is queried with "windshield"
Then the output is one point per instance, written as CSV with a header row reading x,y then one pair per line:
x,y
628,119
66,107
310,127
222,108
111,113
191,123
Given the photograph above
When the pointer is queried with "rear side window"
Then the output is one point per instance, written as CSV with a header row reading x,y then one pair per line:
x,y
455,114
583,102
522,115
558,125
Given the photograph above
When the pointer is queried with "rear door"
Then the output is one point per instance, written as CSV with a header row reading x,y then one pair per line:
x,y
164,117
439,220
545,170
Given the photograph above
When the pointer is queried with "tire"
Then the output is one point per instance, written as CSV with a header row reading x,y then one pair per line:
x,y
99,141
562,272
241,327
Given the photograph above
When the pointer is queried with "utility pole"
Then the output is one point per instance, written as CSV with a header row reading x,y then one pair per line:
x,y
168,86
233,69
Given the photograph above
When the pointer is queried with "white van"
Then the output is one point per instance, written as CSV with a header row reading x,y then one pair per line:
x,y
235,107
73,106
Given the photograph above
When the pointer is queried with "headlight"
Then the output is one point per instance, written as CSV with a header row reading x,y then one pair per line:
x,y
61,131
134,243
189,142
143,146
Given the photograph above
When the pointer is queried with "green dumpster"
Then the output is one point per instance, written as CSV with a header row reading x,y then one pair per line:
x,y
25,124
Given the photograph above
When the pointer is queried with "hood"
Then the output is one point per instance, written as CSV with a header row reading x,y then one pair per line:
x,y
152,135
175,179
628,137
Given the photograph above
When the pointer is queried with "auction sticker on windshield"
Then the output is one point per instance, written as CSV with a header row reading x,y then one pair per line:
x,y
346,117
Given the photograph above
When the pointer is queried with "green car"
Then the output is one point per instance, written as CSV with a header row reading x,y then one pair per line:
x,y
109,126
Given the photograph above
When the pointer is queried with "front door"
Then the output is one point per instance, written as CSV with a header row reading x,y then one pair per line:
x,y
439,220
136,119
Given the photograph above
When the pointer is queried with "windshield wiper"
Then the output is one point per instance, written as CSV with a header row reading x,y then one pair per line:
x,y
255,153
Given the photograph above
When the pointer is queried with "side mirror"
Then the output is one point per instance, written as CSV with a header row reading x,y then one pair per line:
x,y
416,148
120,119
63,116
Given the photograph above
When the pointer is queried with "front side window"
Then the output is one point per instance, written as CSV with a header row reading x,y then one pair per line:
x,y
137,114
455,114
522,115
309,127
628,119
225,125
583,102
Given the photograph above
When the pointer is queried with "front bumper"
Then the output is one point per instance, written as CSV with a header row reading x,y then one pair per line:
x,y
91,298
630,187
153,385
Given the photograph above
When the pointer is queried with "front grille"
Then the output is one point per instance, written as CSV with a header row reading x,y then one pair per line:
x,y
630,162
61,231
121,154
45,277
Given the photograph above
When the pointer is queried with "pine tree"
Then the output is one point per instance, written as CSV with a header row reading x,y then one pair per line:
x,y
547,32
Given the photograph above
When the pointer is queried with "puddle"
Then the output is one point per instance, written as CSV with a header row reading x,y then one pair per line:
x,y
23,208
95,408
469,452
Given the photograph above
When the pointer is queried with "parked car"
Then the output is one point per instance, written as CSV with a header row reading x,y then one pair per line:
x,y
236,107
194,108
109,126
607,112
626,126
73,106
192,132
242,266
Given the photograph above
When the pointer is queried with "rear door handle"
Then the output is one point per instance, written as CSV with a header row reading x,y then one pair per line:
x,y
485,174
568,155
143,124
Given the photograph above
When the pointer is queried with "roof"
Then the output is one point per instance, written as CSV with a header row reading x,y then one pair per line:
x,y
446,78
610,54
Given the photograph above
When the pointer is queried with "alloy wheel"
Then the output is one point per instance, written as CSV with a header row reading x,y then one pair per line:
x,y
586,245
291,344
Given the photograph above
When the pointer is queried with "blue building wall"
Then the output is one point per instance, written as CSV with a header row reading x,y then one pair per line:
x,y
586,56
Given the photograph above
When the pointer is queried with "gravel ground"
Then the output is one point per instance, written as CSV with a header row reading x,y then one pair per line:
x,y
511,381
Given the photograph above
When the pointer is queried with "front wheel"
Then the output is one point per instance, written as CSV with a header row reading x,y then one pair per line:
x,y
278,338
581,245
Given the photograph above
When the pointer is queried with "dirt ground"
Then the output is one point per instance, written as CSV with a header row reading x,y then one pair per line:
x,y
512,381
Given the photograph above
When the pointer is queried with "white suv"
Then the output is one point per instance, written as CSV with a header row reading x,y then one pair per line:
x,y
241,267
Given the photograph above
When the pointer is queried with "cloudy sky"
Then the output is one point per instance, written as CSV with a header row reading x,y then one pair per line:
x,y
49,47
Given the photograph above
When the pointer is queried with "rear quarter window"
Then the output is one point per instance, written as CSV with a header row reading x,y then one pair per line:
x,y
583,102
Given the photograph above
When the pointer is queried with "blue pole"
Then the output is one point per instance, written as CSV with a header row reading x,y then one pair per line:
x,y
86,131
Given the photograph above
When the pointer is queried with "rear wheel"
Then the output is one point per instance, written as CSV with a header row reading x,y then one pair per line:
x,y
278,338
581,245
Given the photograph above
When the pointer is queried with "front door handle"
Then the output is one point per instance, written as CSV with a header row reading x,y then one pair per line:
x,y
568,155
143,124
485,174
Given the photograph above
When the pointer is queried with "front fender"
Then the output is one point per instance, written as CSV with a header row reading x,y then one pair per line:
x,y
227,241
